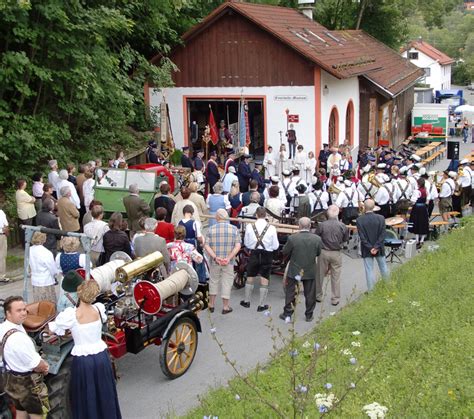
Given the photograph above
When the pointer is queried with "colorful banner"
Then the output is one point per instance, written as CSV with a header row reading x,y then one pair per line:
x,y
213,127
244,130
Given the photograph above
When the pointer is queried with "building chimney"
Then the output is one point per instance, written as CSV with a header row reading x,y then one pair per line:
x,y
306,7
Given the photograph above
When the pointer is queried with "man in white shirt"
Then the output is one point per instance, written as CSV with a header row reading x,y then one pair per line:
x,y
24,367
465,182
229,178
319,197
348,200
3,246
63,175
404,191
53,176
382,197
275,181
262,240
446,193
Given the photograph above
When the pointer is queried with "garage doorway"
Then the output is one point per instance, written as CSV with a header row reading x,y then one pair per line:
x,y
226,110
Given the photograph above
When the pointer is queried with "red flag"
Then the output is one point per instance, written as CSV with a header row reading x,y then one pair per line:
x,y
213,127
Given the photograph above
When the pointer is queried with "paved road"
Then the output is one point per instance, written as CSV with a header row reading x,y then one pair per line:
x,y
144,392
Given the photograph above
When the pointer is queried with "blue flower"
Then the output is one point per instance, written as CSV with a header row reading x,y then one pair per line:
x,y
353,361
237,397
317,346
301,389
294,353
328,386
323,409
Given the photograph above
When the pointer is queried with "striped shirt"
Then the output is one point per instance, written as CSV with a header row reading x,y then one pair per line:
x,y
222,238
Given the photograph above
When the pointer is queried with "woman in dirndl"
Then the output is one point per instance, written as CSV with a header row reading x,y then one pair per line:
x,y
93,393
419,220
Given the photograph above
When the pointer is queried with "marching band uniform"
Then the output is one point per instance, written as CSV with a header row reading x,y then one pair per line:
x,y
382,197
295,181
269,162
321,200
281,192
465,182
212,172
404,193
446,193
229,162
348,201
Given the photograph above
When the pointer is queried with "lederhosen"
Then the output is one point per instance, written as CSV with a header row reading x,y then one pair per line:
x,y
259,258
446,203
27,389
318,202
350,212
404,202
367,195
287,194
390,204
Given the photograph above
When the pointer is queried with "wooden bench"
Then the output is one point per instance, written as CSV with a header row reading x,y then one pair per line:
x,y
434,157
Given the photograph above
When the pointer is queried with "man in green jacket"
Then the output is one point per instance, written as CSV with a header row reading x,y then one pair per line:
x,y
303,249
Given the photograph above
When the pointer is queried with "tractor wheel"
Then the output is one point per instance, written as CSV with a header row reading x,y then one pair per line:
x,y
240,271
177,351
58,390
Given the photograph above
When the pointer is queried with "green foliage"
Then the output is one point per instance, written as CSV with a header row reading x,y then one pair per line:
x,y
72,78
175,158
415,353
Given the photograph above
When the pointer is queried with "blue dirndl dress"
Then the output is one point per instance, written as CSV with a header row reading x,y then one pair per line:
x,y
93,393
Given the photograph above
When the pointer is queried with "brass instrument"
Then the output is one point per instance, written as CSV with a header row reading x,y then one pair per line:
x,y
372,178
439,180
333,189
460,171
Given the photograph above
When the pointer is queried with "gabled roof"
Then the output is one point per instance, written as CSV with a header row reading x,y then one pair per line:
x,y
343,54
430,51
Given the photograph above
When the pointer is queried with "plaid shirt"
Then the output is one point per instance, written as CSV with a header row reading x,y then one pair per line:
x,y
222,238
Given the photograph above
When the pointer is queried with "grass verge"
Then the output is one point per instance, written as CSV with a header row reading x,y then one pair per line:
x,y
414,353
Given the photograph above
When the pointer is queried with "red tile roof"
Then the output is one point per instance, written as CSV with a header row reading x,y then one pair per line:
x,y
343,54
430,51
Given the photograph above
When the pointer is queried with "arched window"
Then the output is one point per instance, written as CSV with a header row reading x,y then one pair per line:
x,y
350,123
333,133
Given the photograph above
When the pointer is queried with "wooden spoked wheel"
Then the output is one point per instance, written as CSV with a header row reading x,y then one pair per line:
x,y
178,350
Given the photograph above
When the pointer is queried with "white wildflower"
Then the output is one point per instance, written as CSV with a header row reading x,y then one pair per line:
x,y
306,345
375,410
356,333
325,401
415,303
346,352
390,301
355,344
237,397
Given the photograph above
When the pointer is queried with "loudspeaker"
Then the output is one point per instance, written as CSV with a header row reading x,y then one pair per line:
x,y
453,150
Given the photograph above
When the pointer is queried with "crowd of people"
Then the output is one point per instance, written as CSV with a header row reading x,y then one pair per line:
x,y
194,226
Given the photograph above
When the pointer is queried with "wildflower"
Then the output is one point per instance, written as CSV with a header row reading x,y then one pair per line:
x,y
415,303
301,389
356,333
267,313
355,344
294,353
213,330
317,346
352,385
346,352
375,410
237,397
451,394
328,386
324,401
306,345
353,361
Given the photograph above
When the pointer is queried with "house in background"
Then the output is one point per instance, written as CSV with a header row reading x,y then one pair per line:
x,y
336,85
437,65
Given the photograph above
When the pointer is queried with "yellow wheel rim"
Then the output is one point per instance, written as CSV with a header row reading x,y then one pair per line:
x,y
181,348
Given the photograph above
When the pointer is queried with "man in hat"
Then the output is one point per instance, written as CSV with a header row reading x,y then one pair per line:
x,y
275,181
229,178
212,171
244,173
291,136
53,176
465,182
24,367
366,189
323,157
446,193
257,176
151,152
348,200
230,161
186,162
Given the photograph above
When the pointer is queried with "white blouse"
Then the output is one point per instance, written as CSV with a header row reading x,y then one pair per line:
x,y
87,336
42,266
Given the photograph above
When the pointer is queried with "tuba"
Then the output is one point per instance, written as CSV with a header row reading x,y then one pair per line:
x,y
372,178
333,189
